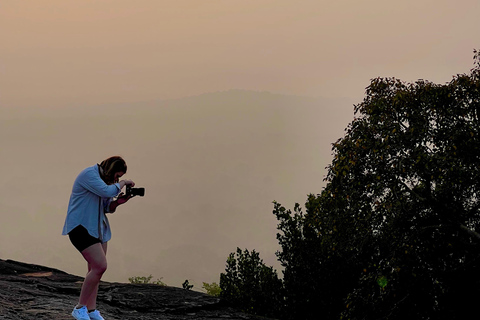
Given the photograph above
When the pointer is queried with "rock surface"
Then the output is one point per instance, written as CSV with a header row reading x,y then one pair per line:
x,y
36,292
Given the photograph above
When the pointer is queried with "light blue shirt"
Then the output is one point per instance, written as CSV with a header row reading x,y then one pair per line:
x,y
89,201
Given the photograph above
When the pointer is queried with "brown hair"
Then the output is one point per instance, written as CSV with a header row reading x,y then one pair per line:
x,y
111,166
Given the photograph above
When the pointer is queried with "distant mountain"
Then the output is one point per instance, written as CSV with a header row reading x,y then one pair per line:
x,y
211,164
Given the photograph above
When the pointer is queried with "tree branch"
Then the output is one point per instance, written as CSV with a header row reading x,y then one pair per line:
x,y
469,231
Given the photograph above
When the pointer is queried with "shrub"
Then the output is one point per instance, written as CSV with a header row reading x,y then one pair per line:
x,y
212,289
250,285
186,285
146,280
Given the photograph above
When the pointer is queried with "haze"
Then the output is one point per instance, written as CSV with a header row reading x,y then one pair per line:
x,y
218,106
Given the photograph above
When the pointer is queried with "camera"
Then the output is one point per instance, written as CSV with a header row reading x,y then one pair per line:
x,y
134,191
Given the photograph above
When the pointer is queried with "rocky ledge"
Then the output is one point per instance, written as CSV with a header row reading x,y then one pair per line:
x,y
36,292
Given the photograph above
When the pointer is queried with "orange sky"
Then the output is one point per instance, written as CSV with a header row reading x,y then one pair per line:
x,y
211,172
58,53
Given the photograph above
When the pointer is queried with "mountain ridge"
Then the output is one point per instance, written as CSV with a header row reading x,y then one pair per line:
x,y
241,94
211,167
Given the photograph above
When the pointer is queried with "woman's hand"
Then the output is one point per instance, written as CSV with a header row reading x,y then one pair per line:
x,y
129,183
122,198
124,183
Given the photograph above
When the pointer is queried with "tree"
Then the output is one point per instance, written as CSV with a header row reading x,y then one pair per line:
x,y
250,285
394,232
320,268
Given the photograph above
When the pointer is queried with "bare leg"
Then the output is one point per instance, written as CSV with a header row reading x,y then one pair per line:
x,y
92,300
97,264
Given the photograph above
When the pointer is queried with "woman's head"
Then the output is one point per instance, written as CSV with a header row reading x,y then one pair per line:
x,y
113,168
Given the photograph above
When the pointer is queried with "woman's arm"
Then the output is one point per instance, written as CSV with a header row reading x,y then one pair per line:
x,y
113,206
90,180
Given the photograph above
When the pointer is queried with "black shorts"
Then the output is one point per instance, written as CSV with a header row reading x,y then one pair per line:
x,y
81,239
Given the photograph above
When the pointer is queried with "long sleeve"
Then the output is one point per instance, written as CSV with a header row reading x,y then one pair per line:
x,y
89,202
91,181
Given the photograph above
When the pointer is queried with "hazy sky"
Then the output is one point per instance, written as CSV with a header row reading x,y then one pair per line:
x,y
212,164
56,52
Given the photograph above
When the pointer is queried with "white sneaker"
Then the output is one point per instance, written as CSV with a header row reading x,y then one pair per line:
x,y
95,315
80,314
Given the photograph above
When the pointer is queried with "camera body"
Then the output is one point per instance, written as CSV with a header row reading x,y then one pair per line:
x,y
134,191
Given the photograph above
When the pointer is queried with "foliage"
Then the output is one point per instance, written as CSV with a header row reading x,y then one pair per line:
x,y
212,289
318,273
249,284
393,234
186,285
146,280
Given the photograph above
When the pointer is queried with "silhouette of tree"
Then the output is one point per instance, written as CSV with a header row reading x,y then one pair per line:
x,y
394,233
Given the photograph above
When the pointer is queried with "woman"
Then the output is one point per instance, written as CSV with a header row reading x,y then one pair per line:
x,y
87,225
